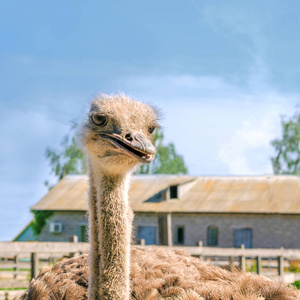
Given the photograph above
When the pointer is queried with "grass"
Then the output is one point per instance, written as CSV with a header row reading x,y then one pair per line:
x,y
12,269
252,267
14,289
294,266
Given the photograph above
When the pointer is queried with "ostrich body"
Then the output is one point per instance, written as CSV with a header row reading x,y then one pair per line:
x,y
117,138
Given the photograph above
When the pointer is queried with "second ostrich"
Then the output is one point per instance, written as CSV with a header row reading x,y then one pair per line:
x,y
117,138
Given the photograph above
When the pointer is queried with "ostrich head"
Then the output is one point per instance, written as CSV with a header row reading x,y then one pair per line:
x,y
117,134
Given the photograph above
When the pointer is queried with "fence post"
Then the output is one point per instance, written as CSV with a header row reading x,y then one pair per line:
x,y
51,260
169,229
200,245
143,243
243,260
73,239
231,263
258,265
280,260
16,268
34,265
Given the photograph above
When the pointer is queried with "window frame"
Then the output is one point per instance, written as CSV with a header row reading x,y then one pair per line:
x,y
52,226
209,239
79,225
246,231
176,234
174,191
139,229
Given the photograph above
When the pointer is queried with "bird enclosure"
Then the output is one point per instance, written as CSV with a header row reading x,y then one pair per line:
x,y
21,261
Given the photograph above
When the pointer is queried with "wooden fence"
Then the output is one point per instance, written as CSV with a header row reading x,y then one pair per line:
x,y
15,256
241,254
31,256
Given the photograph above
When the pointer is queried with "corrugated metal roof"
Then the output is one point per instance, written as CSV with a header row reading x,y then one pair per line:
x,y
69,194
257,194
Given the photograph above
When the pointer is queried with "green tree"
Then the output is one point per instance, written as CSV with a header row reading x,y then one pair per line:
x,y
69,158
166,160
287,148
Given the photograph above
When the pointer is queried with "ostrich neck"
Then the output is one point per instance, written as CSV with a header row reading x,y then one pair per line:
x,y
110,236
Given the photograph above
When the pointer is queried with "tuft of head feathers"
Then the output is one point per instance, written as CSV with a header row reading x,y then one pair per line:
x,y
118,116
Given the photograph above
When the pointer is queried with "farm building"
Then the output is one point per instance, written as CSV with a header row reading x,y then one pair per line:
x,y
26,234
258,211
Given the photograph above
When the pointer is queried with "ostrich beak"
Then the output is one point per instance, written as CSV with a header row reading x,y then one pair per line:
x,y
134,144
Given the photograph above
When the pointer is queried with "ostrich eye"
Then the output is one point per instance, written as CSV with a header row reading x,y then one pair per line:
x,y
99,120
151,129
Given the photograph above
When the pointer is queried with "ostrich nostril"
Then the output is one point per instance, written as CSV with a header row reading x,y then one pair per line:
x,y
128,137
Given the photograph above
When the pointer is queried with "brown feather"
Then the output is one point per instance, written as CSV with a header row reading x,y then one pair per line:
x,y
160,274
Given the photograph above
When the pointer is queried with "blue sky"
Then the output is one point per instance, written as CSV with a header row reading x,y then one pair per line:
x,y
223,72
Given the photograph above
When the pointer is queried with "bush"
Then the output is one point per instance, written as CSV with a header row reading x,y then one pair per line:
x,y
39,221
296,284
294,266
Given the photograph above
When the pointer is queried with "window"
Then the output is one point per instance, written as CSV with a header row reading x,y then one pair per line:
x,y
212,235
82,232
148,233
173,191
242,236
155,198
55,227
179,235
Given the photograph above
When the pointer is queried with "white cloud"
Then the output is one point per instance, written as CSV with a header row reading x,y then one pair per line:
x,y
219,127
248,151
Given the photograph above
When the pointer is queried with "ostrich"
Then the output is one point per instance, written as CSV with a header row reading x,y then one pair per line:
x,y
117,138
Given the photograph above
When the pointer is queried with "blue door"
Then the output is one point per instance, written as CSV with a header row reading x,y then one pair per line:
x,y
242,236
148,233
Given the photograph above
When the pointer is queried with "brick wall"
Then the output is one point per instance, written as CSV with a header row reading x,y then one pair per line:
x,y
269,231
70,222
